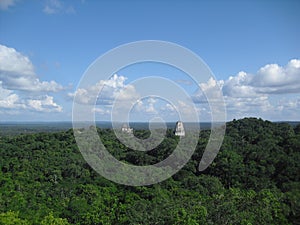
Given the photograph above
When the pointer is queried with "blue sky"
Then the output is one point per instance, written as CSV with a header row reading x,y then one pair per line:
x,y
252,47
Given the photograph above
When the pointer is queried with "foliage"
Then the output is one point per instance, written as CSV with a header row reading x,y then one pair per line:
x,y
253,180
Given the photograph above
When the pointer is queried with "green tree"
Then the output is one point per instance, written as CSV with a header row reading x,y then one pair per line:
x,y
12,218
51,220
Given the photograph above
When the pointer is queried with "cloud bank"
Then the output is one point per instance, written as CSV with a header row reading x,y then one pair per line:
x,y
271,93
272,90
20,87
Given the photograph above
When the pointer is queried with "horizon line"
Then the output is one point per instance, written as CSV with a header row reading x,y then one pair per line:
x,y
106,121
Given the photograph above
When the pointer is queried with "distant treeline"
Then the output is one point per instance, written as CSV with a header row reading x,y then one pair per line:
x,y
16,128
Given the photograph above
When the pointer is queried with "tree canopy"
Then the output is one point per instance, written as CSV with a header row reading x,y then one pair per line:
x,y
253,180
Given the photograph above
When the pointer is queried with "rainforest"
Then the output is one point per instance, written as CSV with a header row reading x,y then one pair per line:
x,y
253,180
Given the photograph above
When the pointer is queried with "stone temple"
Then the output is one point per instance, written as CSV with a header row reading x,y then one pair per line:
x,y
127,129
179,129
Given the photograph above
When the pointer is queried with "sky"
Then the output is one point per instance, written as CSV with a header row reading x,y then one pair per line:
x,y
251,47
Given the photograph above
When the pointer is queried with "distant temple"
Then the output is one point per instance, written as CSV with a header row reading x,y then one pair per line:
x,y
179,129
127,129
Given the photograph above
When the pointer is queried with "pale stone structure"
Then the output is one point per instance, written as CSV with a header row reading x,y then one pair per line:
x,y
127,129
179,130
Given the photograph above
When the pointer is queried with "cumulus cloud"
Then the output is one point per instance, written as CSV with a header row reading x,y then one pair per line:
x,y
274,79
153,107
17,73
250,105
12,101
44,104
238,86
289,104
259,94
249,94
150,107
209,90
20,88
146,106
105,91
5,4
270,79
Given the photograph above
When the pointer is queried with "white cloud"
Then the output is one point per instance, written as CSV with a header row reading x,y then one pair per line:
x,y
125,99
45,104
5,4
127,93
17,73
4,93
256,104
289,104
14,62
275,79
11,101
209,90
20,88
108,91
238,86
250,94
270,79
146,106
150,108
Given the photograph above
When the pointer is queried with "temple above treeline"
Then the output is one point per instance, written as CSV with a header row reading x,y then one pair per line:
x,y
179,129
127,129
